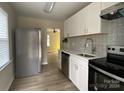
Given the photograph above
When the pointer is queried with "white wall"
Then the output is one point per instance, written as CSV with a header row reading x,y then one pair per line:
x,y
7,74
29,22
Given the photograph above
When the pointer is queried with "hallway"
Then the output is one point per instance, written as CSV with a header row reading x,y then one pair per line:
x,y
51,79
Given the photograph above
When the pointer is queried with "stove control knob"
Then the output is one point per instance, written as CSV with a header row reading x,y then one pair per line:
x,y
109,48
113,49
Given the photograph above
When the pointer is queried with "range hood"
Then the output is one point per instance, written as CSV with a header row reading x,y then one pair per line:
x,y
113,12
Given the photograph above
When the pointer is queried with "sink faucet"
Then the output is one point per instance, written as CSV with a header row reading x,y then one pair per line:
x,y
93,49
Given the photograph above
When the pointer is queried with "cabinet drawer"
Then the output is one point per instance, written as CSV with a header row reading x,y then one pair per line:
x,y
85,66
80,61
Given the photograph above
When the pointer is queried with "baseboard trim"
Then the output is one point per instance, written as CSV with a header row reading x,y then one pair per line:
x,y
9,83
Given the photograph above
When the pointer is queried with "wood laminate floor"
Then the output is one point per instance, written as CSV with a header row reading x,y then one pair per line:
x,y
50,79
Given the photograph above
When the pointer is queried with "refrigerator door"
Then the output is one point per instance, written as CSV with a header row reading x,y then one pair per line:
x,y
28,59
40,51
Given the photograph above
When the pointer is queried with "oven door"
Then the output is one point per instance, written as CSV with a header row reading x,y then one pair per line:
x,y
99,81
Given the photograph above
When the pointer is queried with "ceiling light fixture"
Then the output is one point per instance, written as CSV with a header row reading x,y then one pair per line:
x,y
49,7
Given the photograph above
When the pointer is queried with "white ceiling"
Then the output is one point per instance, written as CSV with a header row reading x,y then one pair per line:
x,y
61,11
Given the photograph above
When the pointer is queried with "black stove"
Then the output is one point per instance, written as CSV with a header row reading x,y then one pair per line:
x,y
113,63
108,66
103,71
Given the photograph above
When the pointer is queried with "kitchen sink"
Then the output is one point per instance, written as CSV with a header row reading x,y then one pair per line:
x,y
86,55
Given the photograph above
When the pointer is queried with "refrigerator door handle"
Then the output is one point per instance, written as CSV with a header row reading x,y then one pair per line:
x,y
40,51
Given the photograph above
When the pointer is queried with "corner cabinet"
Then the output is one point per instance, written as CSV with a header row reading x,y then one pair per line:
x,y
86,21
78,72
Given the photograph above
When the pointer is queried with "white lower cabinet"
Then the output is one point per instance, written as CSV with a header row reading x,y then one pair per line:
x,y
78,72
73,73
82,78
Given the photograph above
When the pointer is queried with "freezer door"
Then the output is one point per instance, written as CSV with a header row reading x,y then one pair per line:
x,y
27,52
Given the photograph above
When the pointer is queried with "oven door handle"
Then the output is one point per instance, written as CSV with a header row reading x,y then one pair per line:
x,y
107,73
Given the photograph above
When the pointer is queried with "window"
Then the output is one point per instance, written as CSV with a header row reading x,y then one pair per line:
x,y
4,42
48,40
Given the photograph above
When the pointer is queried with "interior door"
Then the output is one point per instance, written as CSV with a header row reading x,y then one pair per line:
x,y
27,52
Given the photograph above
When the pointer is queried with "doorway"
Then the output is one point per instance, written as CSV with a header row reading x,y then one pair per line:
x,y
53,45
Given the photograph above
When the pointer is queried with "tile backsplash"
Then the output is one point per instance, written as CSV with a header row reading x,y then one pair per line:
x,y
115,36
78,44
116,32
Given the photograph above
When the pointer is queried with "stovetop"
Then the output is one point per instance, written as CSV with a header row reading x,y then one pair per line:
x,y
108,66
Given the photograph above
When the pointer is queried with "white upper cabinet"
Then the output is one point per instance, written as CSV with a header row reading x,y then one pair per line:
x,y
71,26
93,18
107,4
86,21
67,28
82,21
75,25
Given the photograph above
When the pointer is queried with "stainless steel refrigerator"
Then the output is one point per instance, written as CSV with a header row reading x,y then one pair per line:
x,y
28,52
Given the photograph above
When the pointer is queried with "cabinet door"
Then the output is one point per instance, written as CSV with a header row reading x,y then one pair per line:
x,y
73,26
82,78
73,70
66,28
70,25
82,21
93,18
73,73
107,4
